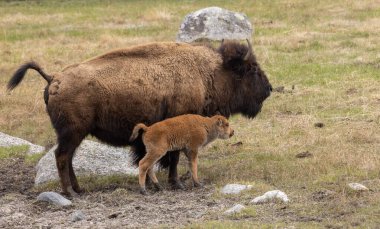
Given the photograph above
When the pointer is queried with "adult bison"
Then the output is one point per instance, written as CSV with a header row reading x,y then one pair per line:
x,y
108,95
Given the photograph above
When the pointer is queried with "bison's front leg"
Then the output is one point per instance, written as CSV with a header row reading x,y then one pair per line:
x,y
173,174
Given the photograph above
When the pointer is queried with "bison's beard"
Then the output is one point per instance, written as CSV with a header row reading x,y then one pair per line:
x,y
252,109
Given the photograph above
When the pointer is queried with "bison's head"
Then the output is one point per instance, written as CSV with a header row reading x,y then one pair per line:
x,y
251,85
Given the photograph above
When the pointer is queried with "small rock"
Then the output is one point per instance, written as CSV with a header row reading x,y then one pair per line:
x,y
235,209
77,216
319,124
271,196
304,154
235,188
54,198
357,187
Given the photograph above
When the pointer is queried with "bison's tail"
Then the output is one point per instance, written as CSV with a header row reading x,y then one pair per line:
x,y
136,131
20,73
138,150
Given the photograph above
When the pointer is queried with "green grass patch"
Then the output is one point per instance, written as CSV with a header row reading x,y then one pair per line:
x,y
248,212
33,159
13,151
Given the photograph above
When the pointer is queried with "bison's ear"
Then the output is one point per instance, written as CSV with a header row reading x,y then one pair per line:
x,y
249,52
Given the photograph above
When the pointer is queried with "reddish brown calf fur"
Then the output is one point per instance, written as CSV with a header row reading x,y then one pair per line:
x,y
185,133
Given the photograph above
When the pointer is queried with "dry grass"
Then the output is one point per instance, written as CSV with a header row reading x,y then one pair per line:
x,y
325,54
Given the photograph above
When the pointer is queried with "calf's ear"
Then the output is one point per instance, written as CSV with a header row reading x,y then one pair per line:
x,y
219,122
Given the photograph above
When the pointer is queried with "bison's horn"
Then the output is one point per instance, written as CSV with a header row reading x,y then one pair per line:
x,y
249,52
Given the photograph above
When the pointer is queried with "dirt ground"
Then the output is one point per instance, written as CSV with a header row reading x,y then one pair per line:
x,y
112,207
115,206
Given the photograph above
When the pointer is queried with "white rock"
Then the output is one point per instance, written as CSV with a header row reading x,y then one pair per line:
x,y
7,140
357,187
77,216
235,209
214,23
271,196
235,188
54,198
91,158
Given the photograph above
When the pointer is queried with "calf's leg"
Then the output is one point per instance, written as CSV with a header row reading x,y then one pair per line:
x,y
151,157
154,179
193,166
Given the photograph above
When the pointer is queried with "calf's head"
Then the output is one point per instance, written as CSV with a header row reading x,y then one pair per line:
x,y
251,85
222,126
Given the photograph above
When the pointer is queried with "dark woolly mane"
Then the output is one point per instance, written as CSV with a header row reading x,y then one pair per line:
x,y
233,54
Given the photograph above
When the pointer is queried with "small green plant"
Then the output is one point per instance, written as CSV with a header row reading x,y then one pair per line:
x,y
33,158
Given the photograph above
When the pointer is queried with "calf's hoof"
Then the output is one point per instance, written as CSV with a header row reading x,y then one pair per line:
x,y
175,185
157,187
143,191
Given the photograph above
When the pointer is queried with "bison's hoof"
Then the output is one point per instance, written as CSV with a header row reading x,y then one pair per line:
x,y
157,187
79,190
198,185
69,192
175,185
143,191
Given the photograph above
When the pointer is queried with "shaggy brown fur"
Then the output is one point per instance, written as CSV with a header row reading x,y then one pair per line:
x,y
108,95
186,133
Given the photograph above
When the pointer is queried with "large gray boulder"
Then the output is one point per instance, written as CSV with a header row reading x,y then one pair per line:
x,y
7,141
214,23
91,158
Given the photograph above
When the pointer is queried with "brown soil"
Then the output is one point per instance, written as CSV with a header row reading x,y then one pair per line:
x,y
120,206
109,207
15,176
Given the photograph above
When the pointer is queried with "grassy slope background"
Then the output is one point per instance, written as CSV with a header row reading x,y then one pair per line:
x,y
325,53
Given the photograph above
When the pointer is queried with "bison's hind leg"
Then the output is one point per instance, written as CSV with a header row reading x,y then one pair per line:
x,y
67,144
173,159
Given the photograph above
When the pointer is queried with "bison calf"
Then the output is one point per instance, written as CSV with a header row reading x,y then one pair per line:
x,y
186,133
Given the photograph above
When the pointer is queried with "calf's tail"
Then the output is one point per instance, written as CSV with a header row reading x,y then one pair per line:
x,y
136,131
20,73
